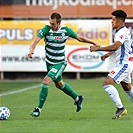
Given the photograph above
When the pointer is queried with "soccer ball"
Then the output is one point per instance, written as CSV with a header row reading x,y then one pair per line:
x,y
4,113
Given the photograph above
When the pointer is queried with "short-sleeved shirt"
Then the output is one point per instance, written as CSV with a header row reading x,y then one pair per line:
x,y
123,65
55,42
123,53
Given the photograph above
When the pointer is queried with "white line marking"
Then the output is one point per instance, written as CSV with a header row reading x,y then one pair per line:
x,y
24,89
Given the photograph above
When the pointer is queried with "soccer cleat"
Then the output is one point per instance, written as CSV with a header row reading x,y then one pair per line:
x,y
119,113
79,103
36,112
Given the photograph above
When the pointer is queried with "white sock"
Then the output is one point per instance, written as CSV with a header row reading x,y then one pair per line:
x,y
77,99
113,94
130,94
39,109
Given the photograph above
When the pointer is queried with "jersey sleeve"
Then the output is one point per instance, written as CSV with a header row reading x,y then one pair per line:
x,y
71,33
120,37
43,32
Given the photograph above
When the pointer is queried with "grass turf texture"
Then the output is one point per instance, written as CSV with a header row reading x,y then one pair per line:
x,y
59,115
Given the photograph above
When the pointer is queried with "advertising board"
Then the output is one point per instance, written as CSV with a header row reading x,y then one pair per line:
x,y
78,8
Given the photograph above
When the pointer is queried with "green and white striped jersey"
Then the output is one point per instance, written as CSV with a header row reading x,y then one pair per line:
x,y
55,42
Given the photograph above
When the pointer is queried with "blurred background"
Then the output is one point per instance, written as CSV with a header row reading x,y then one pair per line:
x,y
20,20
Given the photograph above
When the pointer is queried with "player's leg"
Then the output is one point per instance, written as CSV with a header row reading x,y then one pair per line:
x,y
43,93
42,96
128,88
114,95
56,75
67,89
112,91
126,82
115,76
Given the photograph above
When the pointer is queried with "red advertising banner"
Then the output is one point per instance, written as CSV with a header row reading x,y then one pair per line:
x,y
67,8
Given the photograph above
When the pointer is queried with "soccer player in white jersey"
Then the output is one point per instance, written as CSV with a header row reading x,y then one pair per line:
x,y
122,47
55,37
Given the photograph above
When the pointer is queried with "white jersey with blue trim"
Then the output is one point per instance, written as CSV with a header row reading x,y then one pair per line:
x,y
123,53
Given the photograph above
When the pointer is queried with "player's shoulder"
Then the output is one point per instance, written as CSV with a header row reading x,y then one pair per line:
x,y
47,27
124,29
66,28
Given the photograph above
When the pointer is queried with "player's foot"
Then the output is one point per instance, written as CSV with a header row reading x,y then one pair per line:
x,y
79,103
36,112
119,113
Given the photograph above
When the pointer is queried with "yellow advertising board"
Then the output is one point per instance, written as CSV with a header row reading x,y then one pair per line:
x,y
22,32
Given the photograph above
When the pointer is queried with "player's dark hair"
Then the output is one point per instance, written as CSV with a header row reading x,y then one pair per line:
x,y
120,14
56,16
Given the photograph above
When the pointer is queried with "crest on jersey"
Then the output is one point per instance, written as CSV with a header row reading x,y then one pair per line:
x,y
121,36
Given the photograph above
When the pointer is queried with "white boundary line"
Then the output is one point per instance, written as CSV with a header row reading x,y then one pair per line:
x,y
24,89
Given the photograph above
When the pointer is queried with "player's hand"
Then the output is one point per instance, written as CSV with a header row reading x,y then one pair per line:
x,y
98,45
30,54
104,57
94,48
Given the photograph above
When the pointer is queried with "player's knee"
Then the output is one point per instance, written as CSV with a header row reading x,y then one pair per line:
x,y
105,83
47,80
59,85
127,88
108,81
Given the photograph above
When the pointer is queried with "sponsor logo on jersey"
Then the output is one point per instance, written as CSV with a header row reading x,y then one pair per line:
x,y
58,37
113,72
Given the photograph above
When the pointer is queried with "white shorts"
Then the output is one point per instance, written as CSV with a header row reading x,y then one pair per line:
x,y
121,73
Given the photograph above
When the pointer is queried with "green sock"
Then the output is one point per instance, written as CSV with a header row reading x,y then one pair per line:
x,y
67,89
43,95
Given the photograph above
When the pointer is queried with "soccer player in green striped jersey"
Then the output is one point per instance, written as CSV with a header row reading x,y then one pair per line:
x,y
55,37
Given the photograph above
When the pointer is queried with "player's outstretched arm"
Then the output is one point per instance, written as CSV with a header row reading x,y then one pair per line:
x,y
33,46
86,40
112,47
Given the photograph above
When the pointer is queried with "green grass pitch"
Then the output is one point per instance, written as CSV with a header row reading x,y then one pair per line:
x,y
58,114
